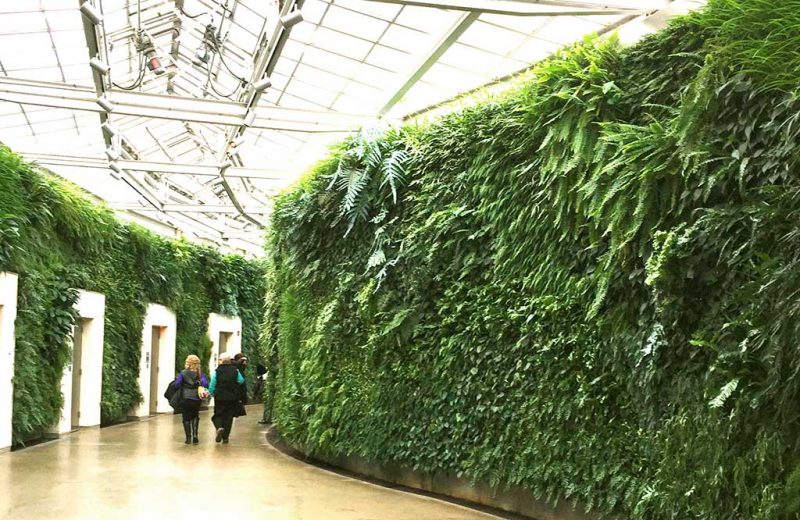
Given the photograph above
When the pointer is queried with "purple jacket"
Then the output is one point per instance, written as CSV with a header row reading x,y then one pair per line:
x,y
179,383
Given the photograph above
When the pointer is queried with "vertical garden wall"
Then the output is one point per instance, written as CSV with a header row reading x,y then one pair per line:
x,y
58,241
587,287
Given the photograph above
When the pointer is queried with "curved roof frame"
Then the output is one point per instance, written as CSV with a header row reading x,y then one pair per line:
x,y
192,147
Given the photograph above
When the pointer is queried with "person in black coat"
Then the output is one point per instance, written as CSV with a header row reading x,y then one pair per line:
x,y
240,362
226,388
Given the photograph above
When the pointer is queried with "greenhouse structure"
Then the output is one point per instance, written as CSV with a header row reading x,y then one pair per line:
x,y
400,259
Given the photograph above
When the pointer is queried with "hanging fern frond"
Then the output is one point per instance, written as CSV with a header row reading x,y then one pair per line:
x,y
395,171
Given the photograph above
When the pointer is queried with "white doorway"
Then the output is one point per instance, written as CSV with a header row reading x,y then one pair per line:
x,y
225,333
224,339
155,366
80,331
8,314
82,381
157,360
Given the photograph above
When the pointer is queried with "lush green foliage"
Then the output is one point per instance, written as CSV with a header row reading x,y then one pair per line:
x,y
56,240
587,287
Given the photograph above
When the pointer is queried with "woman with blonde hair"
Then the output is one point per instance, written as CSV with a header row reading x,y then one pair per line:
x,y
192,384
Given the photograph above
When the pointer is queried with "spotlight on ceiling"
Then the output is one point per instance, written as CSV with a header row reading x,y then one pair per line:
x,y
250,117
202,55
291,19
145,45
262,84
115,170
238,142
99,66
105,104
112,154
92,14
110,129
154,63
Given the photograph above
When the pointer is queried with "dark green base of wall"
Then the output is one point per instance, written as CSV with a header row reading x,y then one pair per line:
x,y
512,503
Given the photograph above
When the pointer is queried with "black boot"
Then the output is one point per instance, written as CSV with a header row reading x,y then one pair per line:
x,y
187,429
195,428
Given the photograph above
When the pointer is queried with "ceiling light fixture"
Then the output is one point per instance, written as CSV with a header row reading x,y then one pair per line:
x,y
99,66
250,117
145,45
262,84
291,19
238,142
202,55
92,14
110,129
112,154
154,63
116,169
105,104
209,44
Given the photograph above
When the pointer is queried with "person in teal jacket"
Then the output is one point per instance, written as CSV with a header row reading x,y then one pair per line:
x,y
226,389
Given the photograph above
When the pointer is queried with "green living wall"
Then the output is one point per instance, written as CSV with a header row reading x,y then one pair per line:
x,y
58,241
587,287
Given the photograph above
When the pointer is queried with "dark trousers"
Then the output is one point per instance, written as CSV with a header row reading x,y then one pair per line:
x,y
190,409
224,412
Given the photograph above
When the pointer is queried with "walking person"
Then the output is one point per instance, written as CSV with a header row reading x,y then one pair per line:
x,y
191,383
226,387
240,362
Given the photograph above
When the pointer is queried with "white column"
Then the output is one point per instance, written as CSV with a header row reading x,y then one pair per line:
x,y
218,323
157,316
8,313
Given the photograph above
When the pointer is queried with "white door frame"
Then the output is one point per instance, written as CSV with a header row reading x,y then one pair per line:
x,y
157,316
219,323
8,315
90,306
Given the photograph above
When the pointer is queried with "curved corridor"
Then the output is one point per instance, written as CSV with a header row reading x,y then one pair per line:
x,y
144,471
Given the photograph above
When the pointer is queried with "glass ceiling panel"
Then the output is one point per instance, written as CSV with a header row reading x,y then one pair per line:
x,y
386,12
359,25
346,57
492,38
567,29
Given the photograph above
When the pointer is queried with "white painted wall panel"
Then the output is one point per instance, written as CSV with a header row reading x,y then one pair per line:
x,y
90,306
157,316
8,314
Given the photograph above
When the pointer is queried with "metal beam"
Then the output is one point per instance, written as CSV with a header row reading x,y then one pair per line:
x,y
601,4
202,170
462,24
138,104
264,65
516,8
462,95
90,32
192,208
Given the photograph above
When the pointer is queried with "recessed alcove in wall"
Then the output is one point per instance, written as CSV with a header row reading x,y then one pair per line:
x,y
82,381
225,333
157,362
8,314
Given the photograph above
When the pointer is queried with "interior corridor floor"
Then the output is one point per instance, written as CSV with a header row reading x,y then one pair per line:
x,y
144,471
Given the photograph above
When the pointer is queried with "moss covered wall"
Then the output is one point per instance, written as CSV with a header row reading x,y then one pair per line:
x,y
587,287
57,241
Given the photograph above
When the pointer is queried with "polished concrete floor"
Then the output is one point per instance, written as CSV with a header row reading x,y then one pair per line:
x,y
144,471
